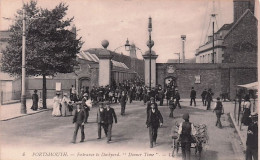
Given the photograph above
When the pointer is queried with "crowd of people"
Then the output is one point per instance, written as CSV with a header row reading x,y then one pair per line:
x,y
135,90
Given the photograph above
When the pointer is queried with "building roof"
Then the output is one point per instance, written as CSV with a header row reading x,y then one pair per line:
x,y
239,20
93,58
225,27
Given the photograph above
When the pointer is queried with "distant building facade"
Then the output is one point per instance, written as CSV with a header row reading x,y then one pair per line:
x,y
235,42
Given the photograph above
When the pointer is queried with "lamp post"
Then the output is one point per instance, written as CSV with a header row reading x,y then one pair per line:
x,y
179,56
23,92
150,44
23,95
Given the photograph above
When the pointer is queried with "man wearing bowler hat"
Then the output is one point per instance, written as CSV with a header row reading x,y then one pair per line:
x,y
79,120
252,138
109,116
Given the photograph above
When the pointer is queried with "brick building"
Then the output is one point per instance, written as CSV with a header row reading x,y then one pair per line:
x,y
85,75
235,42
235,58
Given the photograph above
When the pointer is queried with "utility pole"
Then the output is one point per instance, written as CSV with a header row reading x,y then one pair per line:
x,y
23,94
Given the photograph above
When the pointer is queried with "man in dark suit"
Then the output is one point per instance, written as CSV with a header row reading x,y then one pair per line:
x,y
177,98
192,96
203,96
109,116
79,120
101,120
154,120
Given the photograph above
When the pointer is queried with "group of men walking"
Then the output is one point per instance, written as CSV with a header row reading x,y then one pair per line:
x,y
106,116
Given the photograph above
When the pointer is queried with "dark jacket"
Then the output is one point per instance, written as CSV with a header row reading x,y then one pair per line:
x,y
177,96
101,116
79,117
149,106
252,138
154,119
203,94
123,100
192,94
171,104
110,114
209,96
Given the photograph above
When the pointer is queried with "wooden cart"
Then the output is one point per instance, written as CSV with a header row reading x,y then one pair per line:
x,y
197,143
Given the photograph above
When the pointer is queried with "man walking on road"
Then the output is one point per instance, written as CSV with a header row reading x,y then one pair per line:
x,y
154,120
209,99
192,96
219,111
101,120
123,100
79,120
109,116
177,98
185,133
203,97
171,106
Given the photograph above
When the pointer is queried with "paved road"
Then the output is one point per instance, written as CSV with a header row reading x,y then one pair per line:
x,y
40,135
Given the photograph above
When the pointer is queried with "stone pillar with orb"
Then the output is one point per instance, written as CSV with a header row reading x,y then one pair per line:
x,y
104,76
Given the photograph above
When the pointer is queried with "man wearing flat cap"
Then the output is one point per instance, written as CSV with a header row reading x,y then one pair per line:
x,y
109,116
252,138
185,133
152,101
154,120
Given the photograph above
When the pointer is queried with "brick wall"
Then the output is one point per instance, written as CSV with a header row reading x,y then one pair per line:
x,y
221,78
241,42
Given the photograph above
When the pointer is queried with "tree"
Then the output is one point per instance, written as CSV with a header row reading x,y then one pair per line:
x,y
51,47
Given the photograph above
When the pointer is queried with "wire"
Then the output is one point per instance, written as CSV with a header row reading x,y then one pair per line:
x,y
207,30
204,23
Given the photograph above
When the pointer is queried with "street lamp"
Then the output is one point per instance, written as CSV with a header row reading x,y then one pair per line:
x,y
150,44
127,45
23,93
179,56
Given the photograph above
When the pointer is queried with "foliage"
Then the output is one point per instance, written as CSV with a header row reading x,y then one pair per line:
x,y
50,46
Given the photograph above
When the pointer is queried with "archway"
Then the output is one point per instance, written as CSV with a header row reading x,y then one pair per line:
x,y
169,82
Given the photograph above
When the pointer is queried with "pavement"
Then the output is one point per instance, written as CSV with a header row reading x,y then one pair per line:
x,y
12,111
39,135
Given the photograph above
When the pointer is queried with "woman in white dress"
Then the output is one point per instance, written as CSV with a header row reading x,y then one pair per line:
x,y
56,105
64,105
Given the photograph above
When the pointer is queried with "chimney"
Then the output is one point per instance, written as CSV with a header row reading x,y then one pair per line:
x,y
240,6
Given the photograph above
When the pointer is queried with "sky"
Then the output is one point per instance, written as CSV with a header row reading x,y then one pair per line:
x,y
117,20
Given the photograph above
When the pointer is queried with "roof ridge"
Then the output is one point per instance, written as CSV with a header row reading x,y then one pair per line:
x,y
238,21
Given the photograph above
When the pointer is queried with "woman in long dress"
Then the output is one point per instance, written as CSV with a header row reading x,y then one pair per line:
x,y
64,105
56,105
35,100
246,110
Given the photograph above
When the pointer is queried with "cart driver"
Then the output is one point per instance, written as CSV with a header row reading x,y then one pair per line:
x,y
185,133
